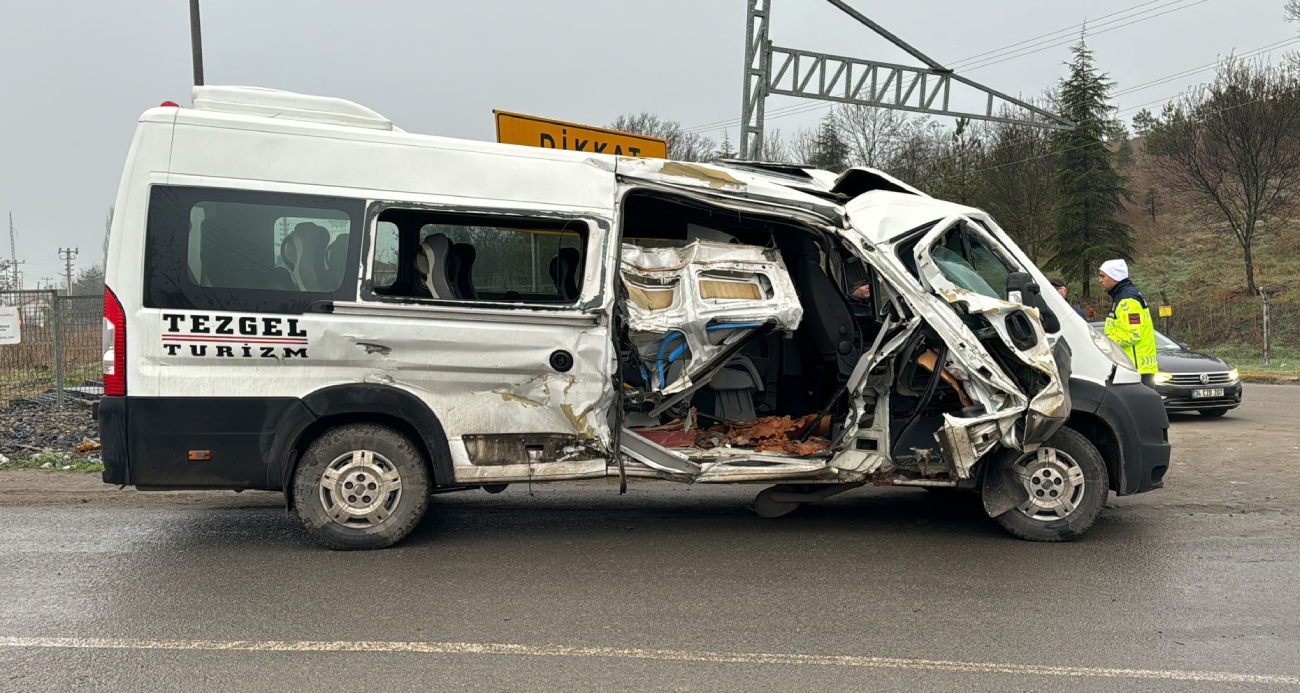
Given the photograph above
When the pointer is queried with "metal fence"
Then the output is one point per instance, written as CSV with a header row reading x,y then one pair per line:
x,y
59,353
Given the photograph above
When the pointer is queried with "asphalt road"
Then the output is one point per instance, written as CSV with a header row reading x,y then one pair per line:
x,y
671,588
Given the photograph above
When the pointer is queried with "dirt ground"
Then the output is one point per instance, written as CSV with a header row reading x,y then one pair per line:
x,y
1244,463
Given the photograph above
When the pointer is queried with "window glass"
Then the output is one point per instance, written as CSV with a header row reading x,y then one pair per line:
x,y
480,258
955,268
235,250
991,267
387,243
510,260
1164,343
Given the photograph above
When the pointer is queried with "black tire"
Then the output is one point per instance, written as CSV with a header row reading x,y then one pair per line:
x,y
394,515
1213,413
1096,489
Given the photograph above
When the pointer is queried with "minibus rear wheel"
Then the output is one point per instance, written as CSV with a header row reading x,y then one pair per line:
x,y
361,486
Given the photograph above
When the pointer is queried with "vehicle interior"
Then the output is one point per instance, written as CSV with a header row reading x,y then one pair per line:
x,y
783,392
424,254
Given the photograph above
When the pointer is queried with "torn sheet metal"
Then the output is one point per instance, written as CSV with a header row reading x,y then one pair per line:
x,y
965,440
688,306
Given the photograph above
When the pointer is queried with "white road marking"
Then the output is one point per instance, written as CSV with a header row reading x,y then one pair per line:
x,y
468,648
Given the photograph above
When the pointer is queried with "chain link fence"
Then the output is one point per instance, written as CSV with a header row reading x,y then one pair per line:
x,y
58,353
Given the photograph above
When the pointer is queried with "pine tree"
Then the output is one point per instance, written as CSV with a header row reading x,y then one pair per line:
x,y
1092,191
725,151
831,153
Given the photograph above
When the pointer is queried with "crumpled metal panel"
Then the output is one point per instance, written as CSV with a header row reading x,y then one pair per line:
x,y
968,439
688,305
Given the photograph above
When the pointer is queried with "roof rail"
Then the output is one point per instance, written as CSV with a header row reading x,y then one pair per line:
x,y
273,103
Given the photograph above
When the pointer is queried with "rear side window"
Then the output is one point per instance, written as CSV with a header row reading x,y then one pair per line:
x,y
215,249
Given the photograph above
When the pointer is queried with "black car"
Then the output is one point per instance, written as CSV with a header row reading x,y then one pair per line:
x,y
1191,381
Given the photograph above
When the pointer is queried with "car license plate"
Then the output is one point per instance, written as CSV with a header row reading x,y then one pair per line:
x,y
1213,392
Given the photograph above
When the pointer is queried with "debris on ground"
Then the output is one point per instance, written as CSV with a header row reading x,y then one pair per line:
x,y
766,434
34,428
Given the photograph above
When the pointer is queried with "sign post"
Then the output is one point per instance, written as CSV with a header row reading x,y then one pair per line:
x,y
531,131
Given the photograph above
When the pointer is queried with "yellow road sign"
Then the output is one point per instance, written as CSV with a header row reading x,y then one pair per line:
x,y
1166,311
531,131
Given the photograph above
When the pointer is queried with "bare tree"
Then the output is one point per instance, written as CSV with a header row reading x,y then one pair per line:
x,y
1231,151
920,157
682,145
774,148
1019,186
803,145
875,136
1293,10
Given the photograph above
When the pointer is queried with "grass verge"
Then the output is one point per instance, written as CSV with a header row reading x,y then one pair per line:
x,y
1284,366
57,461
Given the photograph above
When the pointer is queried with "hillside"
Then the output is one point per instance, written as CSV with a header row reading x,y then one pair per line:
x,y
1198,269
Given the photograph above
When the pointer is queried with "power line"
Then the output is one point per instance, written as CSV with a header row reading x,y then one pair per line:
x,y
804,108
1163,80
1062,42
1138,87
1051,33
1103,142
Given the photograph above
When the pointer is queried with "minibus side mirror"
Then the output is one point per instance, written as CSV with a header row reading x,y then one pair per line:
x,y
1021,286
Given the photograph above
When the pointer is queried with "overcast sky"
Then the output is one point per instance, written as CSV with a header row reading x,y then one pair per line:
x,y
77,74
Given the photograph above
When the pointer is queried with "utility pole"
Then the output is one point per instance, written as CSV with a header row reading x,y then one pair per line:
x,y
48,283
196,43
67,254
13,253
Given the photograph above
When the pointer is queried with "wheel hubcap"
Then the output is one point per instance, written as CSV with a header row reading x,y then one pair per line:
x,y
360,489
1054,482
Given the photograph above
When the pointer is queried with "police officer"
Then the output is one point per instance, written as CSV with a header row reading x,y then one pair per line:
x,y
1129,323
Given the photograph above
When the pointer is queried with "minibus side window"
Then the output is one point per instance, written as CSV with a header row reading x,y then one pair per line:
x,y
433,255
229,250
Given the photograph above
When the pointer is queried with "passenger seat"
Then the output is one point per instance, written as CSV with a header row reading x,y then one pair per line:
x,y
303,251
462,272
734,388
335,260
564,269
432,264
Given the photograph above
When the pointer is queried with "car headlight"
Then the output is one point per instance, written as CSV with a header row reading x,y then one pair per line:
x,y
1233,376
1164,378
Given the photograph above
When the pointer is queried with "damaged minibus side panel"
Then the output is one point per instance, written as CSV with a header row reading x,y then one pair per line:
x,y
715,346
745,358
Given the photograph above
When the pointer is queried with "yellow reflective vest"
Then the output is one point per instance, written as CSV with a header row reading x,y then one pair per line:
x,y
1129,325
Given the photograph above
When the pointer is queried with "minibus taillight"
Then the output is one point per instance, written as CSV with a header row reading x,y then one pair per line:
x,y
114,343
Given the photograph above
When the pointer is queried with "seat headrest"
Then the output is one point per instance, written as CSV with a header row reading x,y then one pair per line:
x,y
432,263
